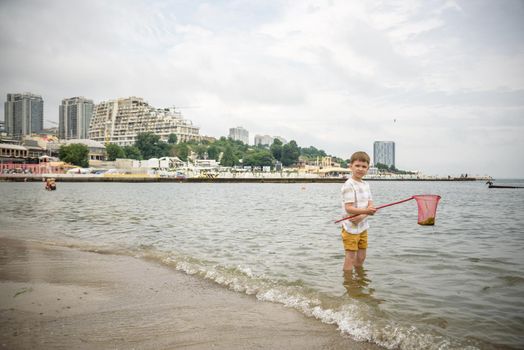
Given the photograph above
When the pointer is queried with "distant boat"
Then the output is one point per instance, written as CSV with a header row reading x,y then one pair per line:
x,y
490,185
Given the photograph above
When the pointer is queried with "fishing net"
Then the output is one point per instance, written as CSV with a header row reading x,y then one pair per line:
x,y
427,208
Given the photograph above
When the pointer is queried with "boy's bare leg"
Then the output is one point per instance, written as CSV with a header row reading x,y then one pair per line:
x,y
349,260
361,256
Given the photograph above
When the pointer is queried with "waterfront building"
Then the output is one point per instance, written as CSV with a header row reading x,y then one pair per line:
x,y
12,153
239,134
384,153
97,150
74,118
23,114
120,121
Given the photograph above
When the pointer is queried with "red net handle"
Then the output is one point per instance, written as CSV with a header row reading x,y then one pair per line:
x,y
379,207
427,208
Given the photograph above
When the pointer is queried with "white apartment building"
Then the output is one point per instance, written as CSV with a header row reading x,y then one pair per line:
x,y
240,134
120,121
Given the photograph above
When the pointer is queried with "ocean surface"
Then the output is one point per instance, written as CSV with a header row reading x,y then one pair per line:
x,y
458,284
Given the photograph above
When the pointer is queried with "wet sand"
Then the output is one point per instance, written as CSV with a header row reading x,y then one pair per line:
x,y
54,297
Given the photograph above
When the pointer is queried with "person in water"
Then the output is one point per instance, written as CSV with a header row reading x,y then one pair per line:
x,y
50,184
356,200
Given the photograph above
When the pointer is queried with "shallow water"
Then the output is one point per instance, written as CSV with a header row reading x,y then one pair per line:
x,y
459,283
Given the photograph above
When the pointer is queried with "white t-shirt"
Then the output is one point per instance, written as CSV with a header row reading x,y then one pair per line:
x,y
358,193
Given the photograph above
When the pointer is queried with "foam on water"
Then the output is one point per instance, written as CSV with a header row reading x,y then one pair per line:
x,y
360,321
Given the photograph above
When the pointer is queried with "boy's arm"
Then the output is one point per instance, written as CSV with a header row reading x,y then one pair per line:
x,y
350,209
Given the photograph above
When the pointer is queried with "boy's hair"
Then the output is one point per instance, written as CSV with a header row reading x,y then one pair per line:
x,y
362,156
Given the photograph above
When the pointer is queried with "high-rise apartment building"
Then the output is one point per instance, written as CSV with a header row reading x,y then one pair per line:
x,y
384,153
240,134
120,121
23,114
74,118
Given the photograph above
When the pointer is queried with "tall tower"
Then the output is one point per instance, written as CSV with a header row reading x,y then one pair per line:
x,y
384,153
74,118
23,114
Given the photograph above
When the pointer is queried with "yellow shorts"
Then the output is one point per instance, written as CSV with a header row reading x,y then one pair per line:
x,y
355,242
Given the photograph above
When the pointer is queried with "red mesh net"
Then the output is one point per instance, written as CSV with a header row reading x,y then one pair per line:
x,y
427,208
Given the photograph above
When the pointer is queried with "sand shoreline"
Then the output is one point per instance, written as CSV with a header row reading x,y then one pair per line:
x,y
62,298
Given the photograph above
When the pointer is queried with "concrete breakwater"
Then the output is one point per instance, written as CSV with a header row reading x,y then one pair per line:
x,y
134,178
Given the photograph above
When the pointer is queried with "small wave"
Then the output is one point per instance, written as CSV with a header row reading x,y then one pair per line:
x,y
360,321
512,280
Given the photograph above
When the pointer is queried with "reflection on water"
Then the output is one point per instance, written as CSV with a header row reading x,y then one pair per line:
x,y
357,285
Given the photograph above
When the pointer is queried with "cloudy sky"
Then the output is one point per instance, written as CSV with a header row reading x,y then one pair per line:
x,y
443,79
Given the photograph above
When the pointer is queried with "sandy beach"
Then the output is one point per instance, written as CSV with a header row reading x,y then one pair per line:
x,y
54,297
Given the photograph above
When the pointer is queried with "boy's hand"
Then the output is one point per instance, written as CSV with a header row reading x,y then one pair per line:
x,y
371,210
358,218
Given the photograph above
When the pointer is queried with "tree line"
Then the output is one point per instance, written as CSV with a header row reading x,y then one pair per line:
x,y
392,169
225,150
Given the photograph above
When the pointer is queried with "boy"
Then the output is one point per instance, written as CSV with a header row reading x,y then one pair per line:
x,y
356,200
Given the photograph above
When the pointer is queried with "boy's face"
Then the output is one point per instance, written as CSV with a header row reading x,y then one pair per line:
x,y
359,169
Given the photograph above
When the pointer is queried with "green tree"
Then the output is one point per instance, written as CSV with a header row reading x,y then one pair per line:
x,y
172,140
381,166
200,150
181,151
74,153
276,149
114,151
290,153
312,152
132,152
151,146
228,159
213,152
258,157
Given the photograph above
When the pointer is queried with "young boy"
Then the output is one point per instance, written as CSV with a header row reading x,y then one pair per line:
x,y
356,200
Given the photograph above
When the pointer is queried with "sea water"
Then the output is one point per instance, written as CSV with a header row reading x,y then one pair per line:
x,y
458,284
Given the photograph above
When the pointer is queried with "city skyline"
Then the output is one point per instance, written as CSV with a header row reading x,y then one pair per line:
x,y
444,80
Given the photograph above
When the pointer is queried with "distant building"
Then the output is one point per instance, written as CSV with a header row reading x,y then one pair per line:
x,y
74,118
97,150
120,121
281,139
23,114
13,153
239,134
263,140
384,153
267,140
